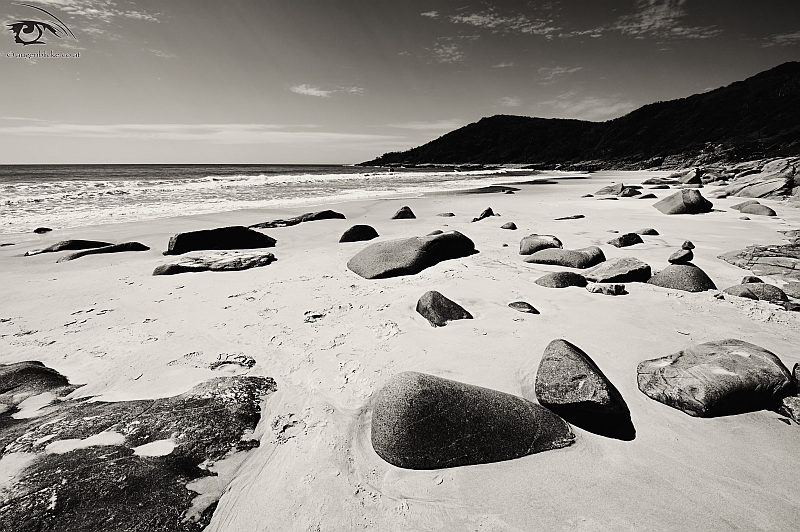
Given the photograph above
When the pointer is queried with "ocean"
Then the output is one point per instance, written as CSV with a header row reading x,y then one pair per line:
x,y
65,196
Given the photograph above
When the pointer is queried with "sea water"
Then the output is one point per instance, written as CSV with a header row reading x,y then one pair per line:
x,y
79,195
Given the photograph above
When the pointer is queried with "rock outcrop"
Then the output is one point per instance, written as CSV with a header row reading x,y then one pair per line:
x,y
307,217
70,245
409,256
421,421
234,237
781,261
220,261
717,378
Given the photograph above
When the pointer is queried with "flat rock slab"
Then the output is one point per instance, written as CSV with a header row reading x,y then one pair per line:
x,y
608,289
779,261
561,280
220,261
307,217
571,258
533,243
90,468
686,277
114,248
684,202
717,378
758,210
234,237
619,270
421,421
628,239
522,306
573,217
70,245
359,233
438,309
759,292
409,256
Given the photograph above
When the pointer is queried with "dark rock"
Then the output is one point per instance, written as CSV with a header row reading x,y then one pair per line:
x,y
359,233
628,192
403,214
606,289
751,279
573,217
682,256
619,270
446,214
790,407
660,181
659,187
220,261
522,306
628,239
424,422
588,196
485,214
613,198
759,210
509,225
647,231
42,230
648,196
684,202
774,180
307,217
744,217
70,245
435,232
438,310
571,258
687,244
779,261
610,190
561,280
759,292
114,248
21,380
569,383
533,243
408,256
717,378
235,237
686,277
110,486
508,192
692,178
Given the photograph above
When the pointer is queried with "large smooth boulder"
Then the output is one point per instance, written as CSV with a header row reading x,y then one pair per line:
x,y
359,233
533,243
758,292
619,270
307,217
628,239
234,237
114,248
220,261
758,210
742,205
685,201
561,280
421,421
571,258
70,245
404,213
717,378
686,277
409,256
569,383
780,261
438,310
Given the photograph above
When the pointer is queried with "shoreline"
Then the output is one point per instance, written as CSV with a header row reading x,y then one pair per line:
x,y
331,339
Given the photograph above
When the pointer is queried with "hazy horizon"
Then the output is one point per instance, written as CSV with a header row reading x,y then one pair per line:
x,y
280,82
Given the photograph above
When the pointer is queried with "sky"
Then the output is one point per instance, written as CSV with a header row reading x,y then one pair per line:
x,y
344,81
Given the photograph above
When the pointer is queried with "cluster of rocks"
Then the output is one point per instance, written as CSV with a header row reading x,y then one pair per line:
x,y
619,190
754,207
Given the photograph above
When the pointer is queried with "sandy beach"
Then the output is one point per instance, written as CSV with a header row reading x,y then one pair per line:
x,y
331,339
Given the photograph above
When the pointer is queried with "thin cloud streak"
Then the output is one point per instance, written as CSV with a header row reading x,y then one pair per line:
x,y
595,108
311,90
784,39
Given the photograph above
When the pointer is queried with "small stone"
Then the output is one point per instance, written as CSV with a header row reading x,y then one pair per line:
x,y
687,244
609,289
573,217
648,196
446,214
561,280
682,256
485,214
509,225
438,309
42,230
522,306
751,279
648,231
628,239
404,213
